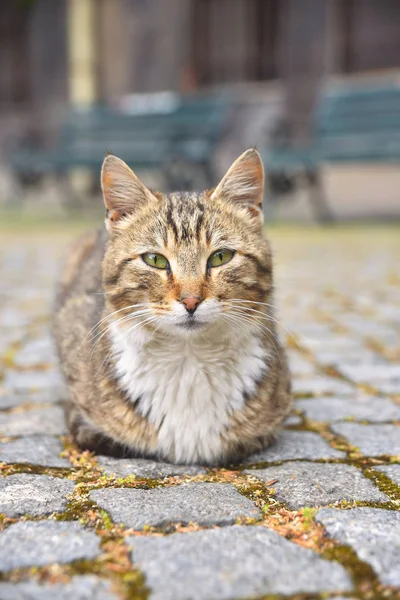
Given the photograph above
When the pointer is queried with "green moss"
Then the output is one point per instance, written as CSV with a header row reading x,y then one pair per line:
x,y
107,520
127,581
259,493
77,509
385,484
308,514
13,469
127,482
130,582
361,573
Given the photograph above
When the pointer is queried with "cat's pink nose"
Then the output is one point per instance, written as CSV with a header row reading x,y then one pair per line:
x,y
191,303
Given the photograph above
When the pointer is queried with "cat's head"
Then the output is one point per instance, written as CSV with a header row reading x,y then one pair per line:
x,y
187,263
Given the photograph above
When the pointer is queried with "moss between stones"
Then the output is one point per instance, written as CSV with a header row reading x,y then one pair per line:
x,y
385,484
258,492
335,440
12,469
367,586
362,574
366,582
127,582
130,481
114,564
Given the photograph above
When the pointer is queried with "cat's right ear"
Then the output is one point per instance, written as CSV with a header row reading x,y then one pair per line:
x,y
123,192
243,186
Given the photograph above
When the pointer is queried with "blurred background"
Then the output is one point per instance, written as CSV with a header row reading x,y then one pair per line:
x,y
179,88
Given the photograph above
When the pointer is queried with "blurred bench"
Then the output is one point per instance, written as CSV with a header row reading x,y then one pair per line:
x,y
178,140
354,124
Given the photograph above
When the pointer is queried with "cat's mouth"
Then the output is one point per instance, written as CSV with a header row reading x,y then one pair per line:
x,y
190,325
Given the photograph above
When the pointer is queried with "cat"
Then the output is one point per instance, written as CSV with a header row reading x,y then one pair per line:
x,y
165,323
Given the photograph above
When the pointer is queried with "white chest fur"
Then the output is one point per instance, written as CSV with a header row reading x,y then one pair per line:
x,y
188,388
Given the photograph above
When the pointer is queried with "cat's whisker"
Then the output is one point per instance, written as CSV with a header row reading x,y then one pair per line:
x,y
272,318
231,319
131,315
237,317
109,316
125,335
261,327
156,329
240,302
140,325
250,318
127,318
244,311
265,330
97,338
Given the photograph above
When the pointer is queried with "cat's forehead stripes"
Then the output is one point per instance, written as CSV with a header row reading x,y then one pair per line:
x,y
184,213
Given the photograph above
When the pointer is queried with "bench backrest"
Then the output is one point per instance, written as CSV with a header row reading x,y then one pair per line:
x,y
144,139
359,123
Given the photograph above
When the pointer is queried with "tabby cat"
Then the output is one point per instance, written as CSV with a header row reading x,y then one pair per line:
x,y
165,323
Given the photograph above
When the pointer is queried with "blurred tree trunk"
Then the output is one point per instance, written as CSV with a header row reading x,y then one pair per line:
x,y
114,46
48,64
160,41
303,57
143,45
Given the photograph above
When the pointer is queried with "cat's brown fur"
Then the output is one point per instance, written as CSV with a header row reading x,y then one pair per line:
x,y
105,273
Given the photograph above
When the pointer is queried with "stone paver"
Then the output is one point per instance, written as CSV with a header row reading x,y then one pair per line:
x,y
81,587
372,440
299,366
11,400
372,374
389,387
35,450
26,544
36,352
234,562
202,503
26,381
321,386
373,533
38,421
295,445
312,484
359,408
347,356
36,495
141,467
292,420
338,292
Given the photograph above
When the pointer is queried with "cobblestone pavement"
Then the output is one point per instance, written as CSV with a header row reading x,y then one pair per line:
x,y
315,516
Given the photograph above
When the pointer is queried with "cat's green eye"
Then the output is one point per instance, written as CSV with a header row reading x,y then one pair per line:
x,y
220,257
158,261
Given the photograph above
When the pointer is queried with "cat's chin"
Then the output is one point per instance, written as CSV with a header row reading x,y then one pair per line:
x,y
191,327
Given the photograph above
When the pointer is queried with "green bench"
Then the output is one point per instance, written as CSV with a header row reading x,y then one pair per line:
x,y
177,142
352,124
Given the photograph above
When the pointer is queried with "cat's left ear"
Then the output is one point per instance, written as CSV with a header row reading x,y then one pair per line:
x,y
123,191
243,185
